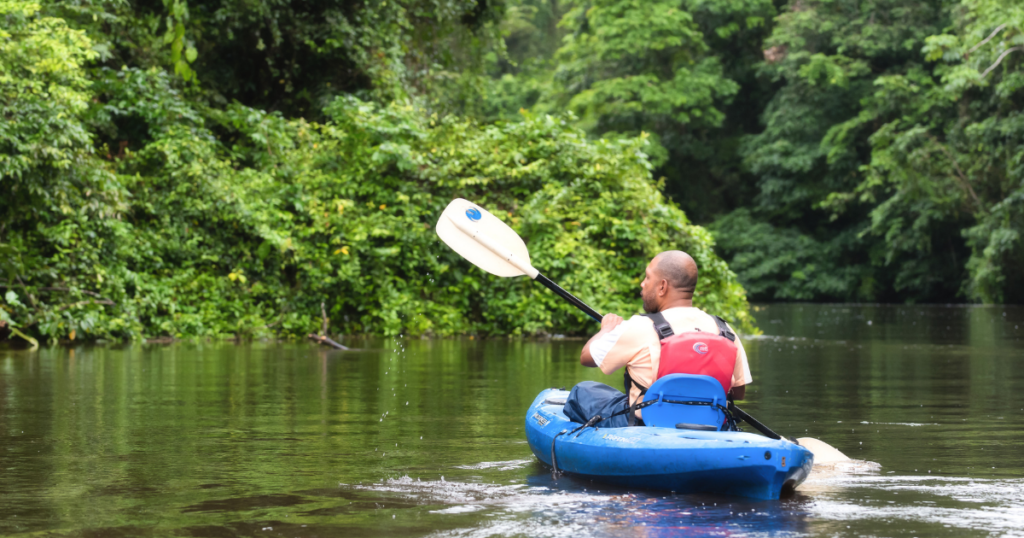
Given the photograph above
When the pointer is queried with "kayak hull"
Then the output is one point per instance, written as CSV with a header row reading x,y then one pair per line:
x,y
683,461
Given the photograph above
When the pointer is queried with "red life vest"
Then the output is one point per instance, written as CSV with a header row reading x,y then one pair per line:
x,y
699,353
694,352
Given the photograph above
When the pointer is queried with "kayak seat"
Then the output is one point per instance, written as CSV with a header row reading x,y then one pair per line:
x,y
686,401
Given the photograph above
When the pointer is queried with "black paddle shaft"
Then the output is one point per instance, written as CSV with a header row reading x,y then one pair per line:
x,y
753,421
568,297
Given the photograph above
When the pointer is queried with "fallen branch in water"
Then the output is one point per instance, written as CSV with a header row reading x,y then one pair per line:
x,y
12,331
323,340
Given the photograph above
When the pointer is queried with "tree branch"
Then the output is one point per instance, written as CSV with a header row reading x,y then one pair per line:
x,y
31,298
323,340
87,292
999,60
80,303
51,288
986,40
326,320
72,305
964,182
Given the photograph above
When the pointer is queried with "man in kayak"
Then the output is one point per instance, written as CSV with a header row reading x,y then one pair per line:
x,y
635,344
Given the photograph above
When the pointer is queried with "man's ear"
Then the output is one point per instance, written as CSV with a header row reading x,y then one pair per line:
x,y
662,287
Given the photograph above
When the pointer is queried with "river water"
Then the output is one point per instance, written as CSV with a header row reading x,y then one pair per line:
x,y
425,437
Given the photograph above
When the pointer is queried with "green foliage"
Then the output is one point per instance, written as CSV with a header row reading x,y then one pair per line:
x,y
208,170
782,264
183,51
294,57
624,68
513,70
826,55
946,154
57,195
626,65
672,69
42,91
853,154
236,221
892,151
188,169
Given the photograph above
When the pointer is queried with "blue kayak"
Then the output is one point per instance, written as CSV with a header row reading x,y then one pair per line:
x,y
666,458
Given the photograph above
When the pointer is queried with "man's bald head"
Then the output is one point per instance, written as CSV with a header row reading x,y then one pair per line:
x,y
678,268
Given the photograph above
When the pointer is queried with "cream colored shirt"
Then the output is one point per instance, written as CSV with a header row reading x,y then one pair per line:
x,y
635,345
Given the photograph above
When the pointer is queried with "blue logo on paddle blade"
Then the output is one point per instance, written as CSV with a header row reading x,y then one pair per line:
x,y
473,214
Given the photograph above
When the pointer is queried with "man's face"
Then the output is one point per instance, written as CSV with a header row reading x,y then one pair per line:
x,y
649,288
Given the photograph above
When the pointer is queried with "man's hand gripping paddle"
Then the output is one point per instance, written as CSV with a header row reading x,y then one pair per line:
x,y
490,244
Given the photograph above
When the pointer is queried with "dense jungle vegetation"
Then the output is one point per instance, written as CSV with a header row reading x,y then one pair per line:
x,y
223,168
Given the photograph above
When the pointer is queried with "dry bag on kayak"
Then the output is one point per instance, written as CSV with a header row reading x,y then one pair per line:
x,y
589,399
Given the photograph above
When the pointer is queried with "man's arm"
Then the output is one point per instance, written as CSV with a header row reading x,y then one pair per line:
x,y
608,323
741,372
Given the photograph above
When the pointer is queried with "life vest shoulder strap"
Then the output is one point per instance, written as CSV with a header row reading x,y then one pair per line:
x,y
664,330
661,325
723,329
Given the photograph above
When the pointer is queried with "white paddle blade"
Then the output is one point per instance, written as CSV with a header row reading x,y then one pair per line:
x,y
823,452
484,240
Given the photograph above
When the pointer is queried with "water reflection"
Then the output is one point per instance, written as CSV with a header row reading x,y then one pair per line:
x,y
425,437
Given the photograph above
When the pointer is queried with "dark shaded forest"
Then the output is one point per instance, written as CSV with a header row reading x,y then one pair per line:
x,y
838,150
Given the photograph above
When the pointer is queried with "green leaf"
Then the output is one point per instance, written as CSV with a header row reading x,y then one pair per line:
x,y
12,299
264,250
